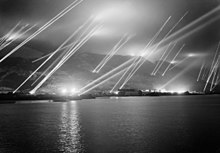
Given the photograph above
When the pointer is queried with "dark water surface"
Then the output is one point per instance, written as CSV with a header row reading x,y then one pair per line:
x,y
179,124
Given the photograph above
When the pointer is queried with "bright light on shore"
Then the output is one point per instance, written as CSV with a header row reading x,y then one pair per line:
x,y
68,91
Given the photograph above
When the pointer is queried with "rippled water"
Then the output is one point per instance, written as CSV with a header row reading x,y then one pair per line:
x,y
188,124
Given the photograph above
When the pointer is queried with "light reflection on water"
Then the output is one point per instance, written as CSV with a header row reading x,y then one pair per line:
x,y
181,124
69,135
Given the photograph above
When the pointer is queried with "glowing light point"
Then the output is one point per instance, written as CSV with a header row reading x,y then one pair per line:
x,y
32,92
173,62
191,55
116,92
13,37
63,90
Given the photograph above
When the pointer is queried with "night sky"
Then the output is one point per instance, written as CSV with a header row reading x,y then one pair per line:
x,y
139,17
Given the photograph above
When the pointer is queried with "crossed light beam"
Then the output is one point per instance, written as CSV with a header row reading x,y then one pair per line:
x,y
140,60
161,63
169,38
211,73
174,58
169,32
45,26
3,38
190,25
200,71
14,36
80,40
122,65
146,53
178,75
68,54
125,38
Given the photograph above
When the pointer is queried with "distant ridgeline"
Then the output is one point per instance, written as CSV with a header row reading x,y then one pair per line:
x,y
78,70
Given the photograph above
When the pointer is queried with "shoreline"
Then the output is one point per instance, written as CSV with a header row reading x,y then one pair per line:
x,y
20,99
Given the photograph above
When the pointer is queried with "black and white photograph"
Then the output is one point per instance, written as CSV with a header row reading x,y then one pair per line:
x,y
109,76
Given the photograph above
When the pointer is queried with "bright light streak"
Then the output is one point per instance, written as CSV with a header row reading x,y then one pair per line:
x,y
180,62
213,66
66,41
175,25
71,44
158,68
178,75
190,25
32,92
205,73
13,36
141,61
118,73
122,76
67,47
108,73
115,49
96,70
51,65
173,59
67,56
165,37
45,26
200,72
214,58
216,81
214,75
11,31
209,77
159,61
120,66
193,23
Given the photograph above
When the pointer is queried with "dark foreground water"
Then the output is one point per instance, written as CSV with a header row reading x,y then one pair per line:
x,y
188,124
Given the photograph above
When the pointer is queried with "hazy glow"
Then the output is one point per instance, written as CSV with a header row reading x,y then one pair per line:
x,y
173,62
73,91
31,92
180,89
114,12
116,92
63,91
103,32
68,90
133,49
191,55
13,36
118,18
